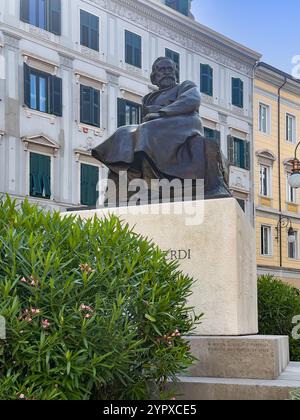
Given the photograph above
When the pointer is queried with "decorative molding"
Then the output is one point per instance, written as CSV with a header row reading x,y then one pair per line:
x,y
83,155
40,140
190,35
238,133
79,76
131,95
66,60
86,129
29,113
266,157
11,40
239,179
41,63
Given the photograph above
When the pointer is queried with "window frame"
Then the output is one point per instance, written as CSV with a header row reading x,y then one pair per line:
x,y
90,29
294,119
51,162
139,65
90,123
270,241
296,247
49,26
268,118
269,181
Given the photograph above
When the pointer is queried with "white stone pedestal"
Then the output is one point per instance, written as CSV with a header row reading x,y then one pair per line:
x,y
215,244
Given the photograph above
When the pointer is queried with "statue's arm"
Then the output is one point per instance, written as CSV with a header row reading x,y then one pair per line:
x,y
188,101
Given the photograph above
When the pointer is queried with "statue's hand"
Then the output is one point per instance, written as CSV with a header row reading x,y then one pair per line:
x,y
152,116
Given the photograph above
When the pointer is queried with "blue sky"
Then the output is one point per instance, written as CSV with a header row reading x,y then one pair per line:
x,y
270,27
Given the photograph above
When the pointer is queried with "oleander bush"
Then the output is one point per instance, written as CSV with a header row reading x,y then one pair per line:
x,y
278,304
93,310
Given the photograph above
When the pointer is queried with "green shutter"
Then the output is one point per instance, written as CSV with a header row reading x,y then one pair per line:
x,y
237,92
248,155
40,175
24,10
85,104
121,112
27,85
96,108
206,79
230,145
89,183
54,16
94,32
56,96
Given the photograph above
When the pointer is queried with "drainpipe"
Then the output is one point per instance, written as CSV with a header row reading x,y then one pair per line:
x,y
279,170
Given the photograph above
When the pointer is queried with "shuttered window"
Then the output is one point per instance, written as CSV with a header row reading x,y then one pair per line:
x,y
176,58
212,135
133,49
239,153
45,14
237,92
42,91
89,30
206,79
129,113
40,176
89,185
89,106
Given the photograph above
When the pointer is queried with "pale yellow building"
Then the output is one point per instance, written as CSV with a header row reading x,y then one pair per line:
x,y
276,134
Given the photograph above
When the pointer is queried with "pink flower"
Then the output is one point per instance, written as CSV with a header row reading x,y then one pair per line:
x,y
88,316
45,324
23,280
21,396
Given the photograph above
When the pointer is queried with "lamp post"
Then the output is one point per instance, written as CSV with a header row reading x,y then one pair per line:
x,y
294,179
286,223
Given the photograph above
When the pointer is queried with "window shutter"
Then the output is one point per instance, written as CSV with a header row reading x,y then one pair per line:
x,y
24,10
241,93
35,186
54,16
56,96
85,104
94,32
230,143
218,137
96,108
89,182
121,112
83,185
137,51
26,85
128,48
84,28
210,80
247,150
44,170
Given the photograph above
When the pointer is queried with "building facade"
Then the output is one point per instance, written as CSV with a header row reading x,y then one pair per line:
x,y
276,132
72,71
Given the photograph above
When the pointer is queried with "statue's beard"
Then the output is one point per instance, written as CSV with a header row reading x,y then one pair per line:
x,y
167,81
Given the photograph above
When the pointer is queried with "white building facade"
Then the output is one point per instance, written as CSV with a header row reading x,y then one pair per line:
x,y
72,71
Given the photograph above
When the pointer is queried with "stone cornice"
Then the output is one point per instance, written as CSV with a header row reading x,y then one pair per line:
x,y
153,17
276,77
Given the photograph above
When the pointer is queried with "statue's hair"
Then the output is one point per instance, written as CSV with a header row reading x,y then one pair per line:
x,y
154,67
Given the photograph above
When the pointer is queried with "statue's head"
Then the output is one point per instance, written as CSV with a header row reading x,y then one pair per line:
x,y
164,73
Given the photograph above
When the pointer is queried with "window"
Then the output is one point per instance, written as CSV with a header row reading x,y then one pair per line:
x,y
237,92
182,6
264,115
176,58
290,128
133,49
129,113
206,79
293,248
89,185
211,134
42,91
89,30
89,106
40,176
265,181
291,192
266,240
242,204
239,152
45,14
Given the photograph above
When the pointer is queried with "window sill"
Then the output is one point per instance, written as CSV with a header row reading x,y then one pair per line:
x,y
86,129
33,113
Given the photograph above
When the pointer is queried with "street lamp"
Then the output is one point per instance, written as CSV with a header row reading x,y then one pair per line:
x,y
286,223
294,179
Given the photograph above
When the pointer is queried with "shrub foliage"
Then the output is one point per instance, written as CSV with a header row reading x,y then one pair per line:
x,y
278,304
93,310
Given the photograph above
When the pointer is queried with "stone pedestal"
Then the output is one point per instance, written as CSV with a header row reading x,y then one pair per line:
x,y
215,244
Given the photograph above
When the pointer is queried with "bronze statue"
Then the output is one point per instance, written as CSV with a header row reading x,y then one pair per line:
x,y
169,144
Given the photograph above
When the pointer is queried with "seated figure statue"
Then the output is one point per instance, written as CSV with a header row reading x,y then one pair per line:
x,y
169,144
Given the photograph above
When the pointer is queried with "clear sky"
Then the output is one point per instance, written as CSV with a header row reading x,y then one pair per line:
x,y
270,27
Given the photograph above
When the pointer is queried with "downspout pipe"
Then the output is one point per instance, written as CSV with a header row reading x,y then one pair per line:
x,y
279,172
